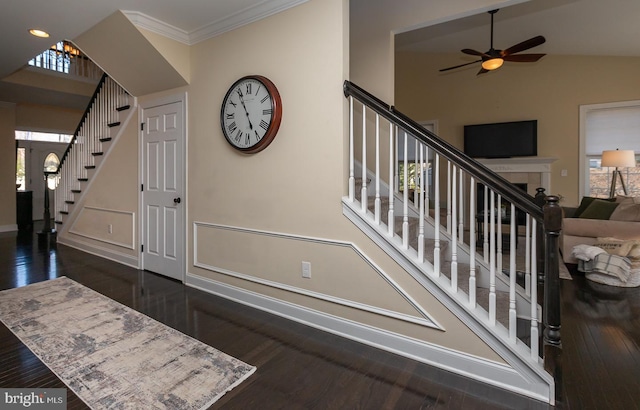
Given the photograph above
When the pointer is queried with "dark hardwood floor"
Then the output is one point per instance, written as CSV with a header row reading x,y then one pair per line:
x,y
303,368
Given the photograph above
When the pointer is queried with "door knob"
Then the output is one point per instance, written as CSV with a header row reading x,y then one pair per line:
x,y
176,200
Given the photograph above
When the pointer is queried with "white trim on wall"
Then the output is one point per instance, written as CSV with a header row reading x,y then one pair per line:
x,y
130,245
425,320
583,181
8,228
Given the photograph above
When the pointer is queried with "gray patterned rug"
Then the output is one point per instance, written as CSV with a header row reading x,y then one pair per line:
x,y
112,356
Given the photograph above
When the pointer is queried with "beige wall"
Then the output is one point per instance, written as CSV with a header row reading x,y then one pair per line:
x,y
550,91
47,118
7,167
258,217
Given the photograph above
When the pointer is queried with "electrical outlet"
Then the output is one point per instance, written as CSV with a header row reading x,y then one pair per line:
x,y
110,228
306,270
563,173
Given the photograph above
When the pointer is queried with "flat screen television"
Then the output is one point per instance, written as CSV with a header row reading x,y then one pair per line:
x,y
501,140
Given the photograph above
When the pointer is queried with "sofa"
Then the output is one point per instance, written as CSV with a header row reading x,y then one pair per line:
x,y
595,219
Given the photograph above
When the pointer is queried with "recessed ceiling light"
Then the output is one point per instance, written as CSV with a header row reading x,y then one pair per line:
x,y
39,33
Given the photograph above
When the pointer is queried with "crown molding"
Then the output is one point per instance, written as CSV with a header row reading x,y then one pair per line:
x,y
227,23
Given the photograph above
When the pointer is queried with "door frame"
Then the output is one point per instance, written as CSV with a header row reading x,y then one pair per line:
x,y
169,99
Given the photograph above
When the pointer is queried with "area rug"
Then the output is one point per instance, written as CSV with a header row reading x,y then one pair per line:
x,y
112,356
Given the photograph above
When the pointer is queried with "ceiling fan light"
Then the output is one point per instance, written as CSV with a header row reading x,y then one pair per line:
x,y
492,64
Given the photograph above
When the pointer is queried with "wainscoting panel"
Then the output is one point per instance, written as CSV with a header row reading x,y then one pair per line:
x,y
110,226
275,260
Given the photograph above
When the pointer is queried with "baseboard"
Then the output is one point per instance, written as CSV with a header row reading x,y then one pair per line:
x,y
8,228
483,370
110,254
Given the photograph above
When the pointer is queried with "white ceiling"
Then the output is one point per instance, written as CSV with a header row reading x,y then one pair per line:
x,y
571,27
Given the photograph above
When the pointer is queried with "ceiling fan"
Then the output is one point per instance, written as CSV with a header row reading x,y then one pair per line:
x,y
493,59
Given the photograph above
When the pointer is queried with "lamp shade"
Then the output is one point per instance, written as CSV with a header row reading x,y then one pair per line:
x,y
625,158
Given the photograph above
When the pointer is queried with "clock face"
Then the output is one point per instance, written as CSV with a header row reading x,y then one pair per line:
x,y
251,114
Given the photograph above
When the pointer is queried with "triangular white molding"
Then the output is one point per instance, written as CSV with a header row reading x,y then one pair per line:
x,y
217,27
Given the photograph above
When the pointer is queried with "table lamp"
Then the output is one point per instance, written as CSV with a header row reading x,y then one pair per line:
x,y
619,159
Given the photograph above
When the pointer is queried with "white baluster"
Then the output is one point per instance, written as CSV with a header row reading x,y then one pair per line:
x,y
363,193
499,231
454,232
512,277
534,294
527,256
492,259
405,208
448,196
426,181
461,207
415,176
421,205
352,179
392,154
377,202
436,209
472,243
485,226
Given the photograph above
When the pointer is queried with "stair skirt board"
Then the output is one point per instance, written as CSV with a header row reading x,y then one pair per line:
x,y
518,379
516,355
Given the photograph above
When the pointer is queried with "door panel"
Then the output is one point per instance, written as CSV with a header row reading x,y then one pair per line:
x,y
163,179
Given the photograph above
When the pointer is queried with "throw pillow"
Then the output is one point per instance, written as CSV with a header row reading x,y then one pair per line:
x,y
586,201
599,209
627,210
615,246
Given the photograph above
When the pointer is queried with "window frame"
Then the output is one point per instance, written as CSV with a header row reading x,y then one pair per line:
x,y
583,159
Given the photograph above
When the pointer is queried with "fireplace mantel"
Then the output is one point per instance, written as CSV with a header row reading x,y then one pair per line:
x,y
540,166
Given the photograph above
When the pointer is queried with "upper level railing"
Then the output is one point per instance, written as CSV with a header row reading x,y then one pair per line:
x,y
65,58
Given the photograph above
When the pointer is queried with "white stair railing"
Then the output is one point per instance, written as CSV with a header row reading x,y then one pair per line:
x,y
467,257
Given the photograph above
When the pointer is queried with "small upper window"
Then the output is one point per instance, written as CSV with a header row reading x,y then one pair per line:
x,y
43,136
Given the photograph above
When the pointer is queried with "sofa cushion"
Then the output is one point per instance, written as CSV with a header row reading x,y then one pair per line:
x,y
586,201
627,210
599,209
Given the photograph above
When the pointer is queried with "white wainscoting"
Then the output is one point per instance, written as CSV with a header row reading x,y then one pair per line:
x,y
424,320
130,222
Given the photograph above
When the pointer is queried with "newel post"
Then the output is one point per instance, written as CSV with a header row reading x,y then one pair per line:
x,y
552,305
540,200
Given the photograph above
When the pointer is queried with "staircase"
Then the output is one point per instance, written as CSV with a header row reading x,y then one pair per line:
x,y
100,125
415,196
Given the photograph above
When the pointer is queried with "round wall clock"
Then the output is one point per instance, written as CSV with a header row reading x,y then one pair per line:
x,y
251,113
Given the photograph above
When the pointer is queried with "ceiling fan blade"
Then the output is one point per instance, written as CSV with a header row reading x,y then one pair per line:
x,y
458,66
474,52
482,71
524,58
525,45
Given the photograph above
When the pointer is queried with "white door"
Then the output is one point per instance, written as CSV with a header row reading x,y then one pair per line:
x,y
163,188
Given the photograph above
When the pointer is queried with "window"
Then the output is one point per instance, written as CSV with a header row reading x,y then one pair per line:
x,y
20,169
42,136
608,127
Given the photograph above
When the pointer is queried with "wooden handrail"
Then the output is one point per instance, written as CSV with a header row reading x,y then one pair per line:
x,y
481,173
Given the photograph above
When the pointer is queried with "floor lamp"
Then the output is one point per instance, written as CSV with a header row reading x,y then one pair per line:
x,y
625,158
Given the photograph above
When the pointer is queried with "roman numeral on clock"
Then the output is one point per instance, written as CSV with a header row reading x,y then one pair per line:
x,y
264,125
